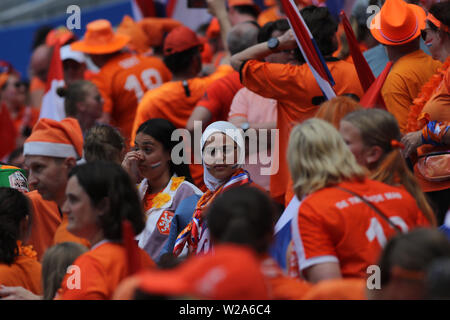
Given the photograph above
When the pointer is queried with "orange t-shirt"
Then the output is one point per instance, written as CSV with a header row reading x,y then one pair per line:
x,y
269,15
123,81
338,289
175,102
62,235
404,81
219,95
45,220
27,116
438,108
295,89
25,272
334,226
100,270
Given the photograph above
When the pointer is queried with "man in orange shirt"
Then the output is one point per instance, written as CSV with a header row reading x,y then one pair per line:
x,y
175,100
215,104
123,77
50,153
294,87
397,26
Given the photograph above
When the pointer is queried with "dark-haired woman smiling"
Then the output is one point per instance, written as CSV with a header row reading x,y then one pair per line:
x,y
100,196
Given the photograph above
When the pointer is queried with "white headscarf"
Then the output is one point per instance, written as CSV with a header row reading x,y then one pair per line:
x,y
234,133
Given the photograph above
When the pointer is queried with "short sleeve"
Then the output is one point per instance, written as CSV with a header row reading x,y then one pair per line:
x,y
275,81
312,242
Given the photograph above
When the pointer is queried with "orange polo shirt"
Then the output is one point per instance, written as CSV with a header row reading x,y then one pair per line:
x,y
123,81
100,270
295,88
404,81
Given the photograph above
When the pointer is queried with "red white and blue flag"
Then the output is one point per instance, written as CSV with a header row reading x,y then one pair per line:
x,y
52,104
309,49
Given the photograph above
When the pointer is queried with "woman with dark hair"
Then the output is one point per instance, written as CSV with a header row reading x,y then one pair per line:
x,y
100,199
18,263
165,184
245,216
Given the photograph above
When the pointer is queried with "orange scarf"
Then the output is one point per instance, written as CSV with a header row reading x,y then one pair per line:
x,y
415,116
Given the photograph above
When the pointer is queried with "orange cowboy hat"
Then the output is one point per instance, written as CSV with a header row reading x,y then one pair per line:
x,y
100,39
397,23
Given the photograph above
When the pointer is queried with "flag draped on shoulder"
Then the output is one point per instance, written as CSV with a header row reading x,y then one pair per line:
x,y
309,49
52,104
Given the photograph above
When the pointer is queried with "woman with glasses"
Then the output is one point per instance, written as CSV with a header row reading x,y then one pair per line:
x,y
223,154
429,117
13,97
82,101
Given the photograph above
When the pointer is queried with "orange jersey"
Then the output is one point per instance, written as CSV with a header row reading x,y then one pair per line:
x,y
62,235
45,220
219,95
25,272
123,81
100,270
404,81
296,91
332,225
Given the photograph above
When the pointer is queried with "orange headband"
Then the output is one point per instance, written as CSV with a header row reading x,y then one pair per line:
x,y
437,23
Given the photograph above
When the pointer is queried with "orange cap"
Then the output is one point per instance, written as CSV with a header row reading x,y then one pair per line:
x,y
155,28
100,39
59,139
59,35
397,23
180,39
230,272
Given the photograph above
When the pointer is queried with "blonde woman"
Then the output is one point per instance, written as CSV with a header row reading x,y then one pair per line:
x,y
344,218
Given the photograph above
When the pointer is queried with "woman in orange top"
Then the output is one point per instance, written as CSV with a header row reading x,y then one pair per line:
x,y
18,263
100,199
373,137
429,117
344,219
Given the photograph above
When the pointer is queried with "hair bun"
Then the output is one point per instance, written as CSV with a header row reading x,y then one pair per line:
x,y
61,91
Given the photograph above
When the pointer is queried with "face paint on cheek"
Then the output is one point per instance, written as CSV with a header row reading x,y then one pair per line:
x,y
155,165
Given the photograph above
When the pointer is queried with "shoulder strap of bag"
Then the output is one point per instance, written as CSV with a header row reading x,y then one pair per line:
x,y
374,208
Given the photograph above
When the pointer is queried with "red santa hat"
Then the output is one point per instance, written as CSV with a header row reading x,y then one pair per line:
x,y
51,138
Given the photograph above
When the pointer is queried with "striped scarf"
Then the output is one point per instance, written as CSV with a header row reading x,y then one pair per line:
x,y
190,234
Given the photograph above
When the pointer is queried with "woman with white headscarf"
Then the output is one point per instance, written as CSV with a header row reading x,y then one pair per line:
x,y
223,154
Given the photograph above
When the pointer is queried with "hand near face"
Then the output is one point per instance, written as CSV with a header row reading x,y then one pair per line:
x,y
130,163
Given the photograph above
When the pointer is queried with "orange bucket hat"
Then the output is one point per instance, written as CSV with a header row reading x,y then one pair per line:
x,y
59,139
180,39
100,39
397,23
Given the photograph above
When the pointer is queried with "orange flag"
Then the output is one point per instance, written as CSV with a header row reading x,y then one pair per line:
x,y
372,97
